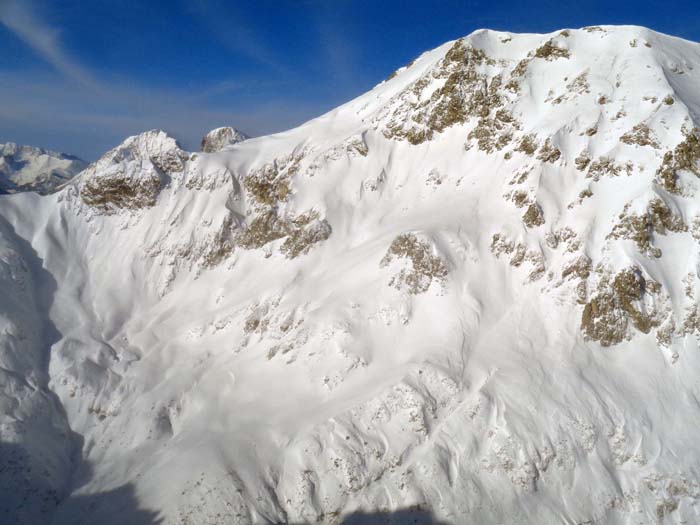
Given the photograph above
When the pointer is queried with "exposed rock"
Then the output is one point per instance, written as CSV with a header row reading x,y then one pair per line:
x,y
527,144
220,246
467,92
582,161
219,138
122,189
520,198
268,188
550,51
640,135
131,175
658,219
684,157
302,232
261,230
425,266
579,267
519,254
305,231
548,152
619,301
533,216
269,185
606,167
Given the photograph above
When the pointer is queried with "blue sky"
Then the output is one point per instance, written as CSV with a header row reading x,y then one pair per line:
x,y
79,76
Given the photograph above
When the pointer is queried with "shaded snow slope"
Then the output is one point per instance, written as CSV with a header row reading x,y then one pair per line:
x,y
471,291
26,168
37,448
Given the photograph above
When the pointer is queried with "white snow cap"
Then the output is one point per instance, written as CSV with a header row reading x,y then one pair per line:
x,y
28,168
143,146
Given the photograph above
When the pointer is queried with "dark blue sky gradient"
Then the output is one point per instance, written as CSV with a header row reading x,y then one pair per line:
x,y
114,67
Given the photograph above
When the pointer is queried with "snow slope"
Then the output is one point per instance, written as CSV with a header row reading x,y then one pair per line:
x,y
26,168
470,294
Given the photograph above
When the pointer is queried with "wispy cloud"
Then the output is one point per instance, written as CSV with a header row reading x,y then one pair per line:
x,y
229,26
18,16
48,110
77,111
337,52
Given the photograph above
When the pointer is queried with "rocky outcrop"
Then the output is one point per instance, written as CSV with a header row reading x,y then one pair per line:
x,y
131,175
219,138
122,189
624,299
422,264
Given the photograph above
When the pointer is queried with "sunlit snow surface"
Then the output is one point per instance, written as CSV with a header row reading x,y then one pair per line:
x,y
152,369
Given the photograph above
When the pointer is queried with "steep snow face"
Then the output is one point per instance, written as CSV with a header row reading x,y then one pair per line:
x,y
470,292
219,138
36,444
26,168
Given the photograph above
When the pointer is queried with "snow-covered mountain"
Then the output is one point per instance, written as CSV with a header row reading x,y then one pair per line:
x,y
220,138
468,295
26,168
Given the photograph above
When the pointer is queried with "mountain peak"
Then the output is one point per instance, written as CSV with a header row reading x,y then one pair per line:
x,y
220,138
144,145
131,175
477,282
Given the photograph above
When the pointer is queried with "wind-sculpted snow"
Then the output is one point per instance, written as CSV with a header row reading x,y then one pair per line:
x,y
470,294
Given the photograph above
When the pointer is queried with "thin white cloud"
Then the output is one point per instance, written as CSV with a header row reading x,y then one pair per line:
x,y
19,17
48,110
228,25
71,109
338,53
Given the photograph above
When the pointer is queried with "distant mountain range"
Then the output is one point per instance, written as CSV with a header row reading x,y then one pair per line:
x,y
27,168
